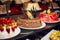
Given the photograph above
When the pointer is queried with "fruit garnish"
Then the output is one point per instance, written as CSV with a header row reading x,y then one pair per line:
x,y
8,29
48,11
1,28
7,23
44,11
30,16
14,25
10,21
13,29
54,16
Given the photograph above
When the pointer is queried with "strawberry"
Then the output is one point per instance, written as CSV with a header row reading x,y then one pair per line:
x,y
1,29
14,10
16,25
10,21
42,15
13,29
54,16
7,29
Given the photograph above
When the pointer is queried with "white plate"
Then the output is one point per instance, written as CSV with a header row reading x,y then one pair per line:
x,y
32,10
54,7
42,26
6,36
46,37
54,21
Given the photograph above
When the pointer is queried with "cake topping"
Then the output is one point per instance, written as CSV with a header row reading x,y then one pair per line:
x,y
47,11
8,24
30,16
55,35
1,28
8,29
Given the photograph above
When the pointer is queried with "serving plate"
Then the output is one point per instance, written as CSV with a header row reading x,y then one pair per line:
x,y
7,36
46,37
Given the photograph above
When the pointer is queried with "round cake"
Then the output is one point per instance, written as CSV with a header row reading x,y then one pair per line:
x,y
8,28
31,6
27,23
49,16
55,35
30,22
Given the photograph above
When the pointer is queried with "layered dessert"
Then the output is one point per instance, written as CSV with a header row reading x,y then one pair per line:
x,y
8,28
48,16
55,35
30,22
31,6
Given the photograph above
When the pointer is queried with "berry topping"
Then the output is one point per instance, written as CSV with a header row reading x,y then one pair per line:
x,y
7,23
13,29
8,29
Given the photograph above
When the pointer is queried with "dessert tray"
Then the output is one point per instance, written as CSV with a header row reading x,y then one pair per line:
x,y
46,37
42,26
10,35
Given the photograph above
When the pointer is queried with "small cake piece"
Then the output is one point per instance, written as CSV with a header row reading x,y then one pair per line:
x,y
55,35
31,6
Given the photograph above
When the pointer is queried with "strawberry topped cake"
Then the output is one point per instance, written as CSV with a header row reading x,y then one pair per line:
x,y
48,16
8,28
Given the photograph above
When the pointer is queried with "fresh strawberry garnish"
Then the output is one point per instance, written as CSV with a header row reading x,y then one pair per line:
x,y
1,29
8,29
13,29
16,26
54,16
42,15
8,23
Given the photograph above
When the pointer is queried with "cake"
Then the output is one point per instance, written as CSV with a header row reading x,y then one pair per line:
x,y
55,35
30,22
3,9
31,6
48,16
8,28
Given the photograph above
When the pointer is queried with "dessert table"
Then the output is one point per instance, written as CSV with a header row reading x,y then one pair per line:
x,y
36,34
